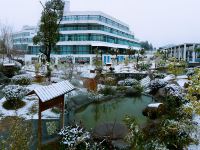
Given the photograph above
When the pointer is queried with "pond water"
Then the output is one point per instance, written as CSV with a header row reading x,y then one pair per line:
x,y
112,111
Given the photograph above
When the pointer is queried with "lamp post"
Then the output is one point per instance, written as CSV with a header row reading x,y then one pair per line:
x,y
101,52
116,53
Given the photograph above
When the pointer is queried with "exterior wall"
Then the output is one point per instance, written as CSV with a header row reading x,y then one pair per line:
x,y
87,29
184,52
106,59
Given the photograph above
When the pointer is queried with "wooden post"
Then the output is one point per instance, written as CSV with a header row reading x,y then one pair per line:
x,y
39,127
62,111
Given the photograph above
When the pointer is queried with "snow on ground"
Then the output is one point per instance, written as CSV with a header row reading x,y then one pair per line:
x,y
182,77
196,147
88,75
153,66
169,77
181,82
31,102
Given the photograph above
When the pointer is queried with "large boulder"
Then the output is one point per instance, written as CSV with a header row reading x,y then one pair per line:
x,y
156,84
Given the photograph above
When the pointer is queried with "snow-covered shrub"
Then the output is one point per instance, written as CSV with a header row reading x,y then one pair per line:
x,y
156,84
190,72
72,136
144,66
14,92
155,145
23,79
145,82
181,132
128,82
158,75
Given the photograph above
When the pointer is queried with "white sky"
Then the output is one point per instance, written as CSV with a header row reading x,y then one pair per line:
x,y
161,22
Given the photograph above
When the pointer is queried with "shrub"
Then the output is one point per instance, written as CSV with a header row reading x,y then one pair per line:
x,y
110,81
23,79
128,82
72,136
19,134
161,64
9,71
14,92
107,90
121,89
13,105
143,66
190,72
4,79
158,75
134,91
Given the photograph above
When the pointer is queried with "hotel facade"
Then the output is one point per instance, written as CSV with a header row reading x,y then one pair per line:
x,y
82,34
186,51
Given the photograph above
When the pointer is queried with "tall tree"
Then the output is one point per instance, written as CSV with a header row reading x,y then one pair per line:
x,y
146,45
48,34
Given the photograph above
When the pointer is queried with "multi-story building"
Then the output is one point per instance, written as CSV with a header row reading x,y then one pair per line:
x,y
83,33
186,51
23,39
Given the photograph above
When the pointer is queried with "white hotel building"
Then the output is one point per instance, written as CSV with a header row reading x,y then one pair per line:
x,y
186,51
81,34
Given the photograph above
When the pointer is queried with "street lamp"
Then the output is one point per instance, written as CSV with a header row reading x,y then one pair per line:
x,y
116,51
101,52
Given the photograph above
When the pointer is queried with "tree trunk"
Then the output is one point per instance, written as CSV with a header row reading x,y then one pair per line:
x,y
48,65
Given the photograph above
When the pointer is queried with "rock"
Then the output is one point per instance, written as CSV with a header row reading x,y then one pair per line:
x,y
154,110
111,130
156,84
120,144
161,92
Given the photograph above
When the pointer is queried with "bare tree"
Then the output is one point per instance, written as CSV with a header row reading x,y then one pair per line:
x,y
6,40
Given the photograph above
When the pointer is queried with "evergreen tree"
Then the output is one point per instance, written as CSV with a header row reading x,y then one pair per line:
x,y
48,34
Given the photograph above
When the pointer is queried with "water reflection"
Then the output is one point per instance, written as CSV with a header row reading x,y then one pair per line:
x,y
112,110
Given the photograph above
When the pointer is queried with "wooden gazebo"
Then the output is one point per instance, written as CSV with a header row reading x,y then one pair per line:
x,y
49,97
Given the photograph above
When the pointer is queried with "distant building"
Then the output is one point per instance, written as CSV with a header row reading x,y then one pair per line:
x,y
23,39
81,33
184,51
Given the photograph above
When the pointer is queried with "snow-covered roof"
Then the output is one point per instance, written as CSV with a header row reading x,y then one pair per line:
x,y
155,105
46,93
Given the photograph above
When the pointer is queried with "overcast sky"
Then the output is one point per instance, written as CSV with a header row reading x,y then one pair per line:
x,y
161,22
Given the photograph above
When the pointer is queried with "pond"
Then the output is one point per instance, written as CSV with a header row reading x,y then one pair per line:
x,y
112,111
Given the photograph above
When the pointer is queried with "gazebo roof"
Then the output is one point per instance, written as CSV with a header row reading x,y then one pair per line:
x,y
49,92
